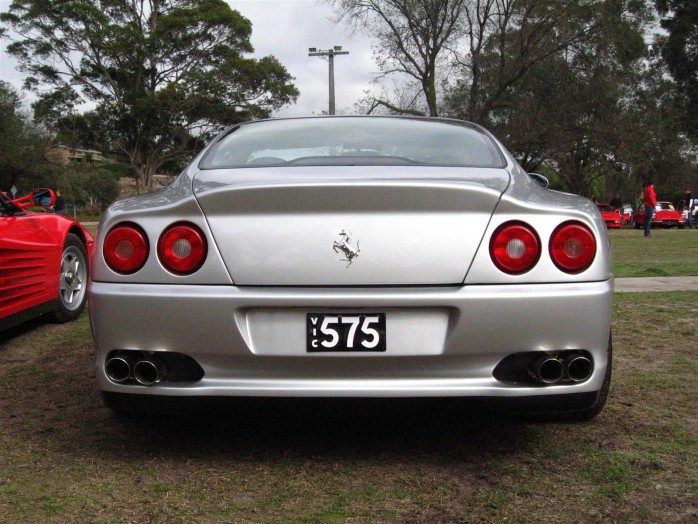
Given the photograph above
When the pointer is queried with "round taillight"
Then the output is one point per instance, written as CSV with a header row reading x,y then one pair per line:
x,y
572,247
182,248
514,248
125,248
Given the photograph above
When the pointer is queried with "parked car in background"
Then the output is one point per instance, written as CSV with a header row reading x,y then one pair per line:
x,y
626,212
354,257
43,261
665,215
612,217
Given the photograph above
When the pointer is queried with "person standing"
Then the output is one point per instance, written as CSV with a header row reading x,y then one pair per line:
x,y
688,204
59,205
649,201
616,201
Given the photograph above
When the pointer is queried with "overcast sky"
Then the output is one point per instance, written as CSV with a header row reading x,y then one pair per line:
x,y
286,29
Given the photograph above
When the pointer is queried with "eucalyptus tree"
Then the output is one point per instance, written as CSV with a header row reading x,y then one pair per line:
x,y
163,74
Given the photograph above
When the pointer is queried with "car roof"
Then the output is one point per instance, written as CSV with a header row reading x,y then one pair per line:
x,y
443,120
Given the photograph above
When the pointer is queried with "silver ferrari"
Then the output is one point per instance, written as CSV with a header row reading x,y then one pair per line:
x,y
355,256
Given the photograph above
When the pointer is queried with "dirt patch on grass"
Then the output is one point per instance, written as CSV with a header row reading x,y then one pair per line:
x,y
65,457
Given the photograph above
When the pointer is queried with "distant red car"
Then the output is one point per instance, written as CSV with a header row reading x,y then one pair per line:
x,y
43,261
612,217
664,216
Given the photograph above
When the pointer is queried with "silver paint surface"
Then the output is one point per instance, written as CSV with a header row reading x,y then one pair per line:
x,y
237,335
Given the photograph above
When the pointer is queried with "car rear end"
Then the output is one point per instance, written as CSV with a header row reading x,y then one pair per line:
x,y
666,216
612,217
352,276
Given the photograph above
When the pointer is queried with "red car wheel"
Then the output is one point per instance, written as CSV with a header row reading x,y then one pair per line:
x,y
72,288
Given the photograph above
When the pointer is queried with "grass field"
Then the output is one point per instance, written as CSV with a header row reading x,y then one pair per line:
x,y
668,252
64,457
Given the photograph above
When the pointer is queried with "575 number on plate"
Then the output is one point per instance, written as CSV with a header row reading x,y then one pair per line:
x,y
338,332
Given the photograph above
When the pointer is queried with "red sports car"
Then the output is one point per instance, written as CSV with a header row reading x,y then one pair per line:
x,y
664,216
43,261
612,217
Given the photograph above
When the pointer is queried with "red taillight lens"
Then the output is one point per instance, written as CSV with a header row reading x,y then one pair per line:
x,y
125,248
572,247
514,248
182,248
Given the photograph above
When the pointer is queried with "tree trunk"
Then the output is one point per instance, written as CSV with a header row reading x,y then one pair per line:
x,y
149,174
145,172
140,178
429,86
144,178
474,94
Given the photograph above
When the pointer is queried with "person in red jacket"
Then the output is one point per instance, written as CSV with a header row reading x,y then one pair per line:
x,y
649,200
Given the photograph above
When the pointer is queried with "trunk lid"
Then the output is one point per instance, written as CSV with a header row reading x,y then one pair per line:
x,y
348,225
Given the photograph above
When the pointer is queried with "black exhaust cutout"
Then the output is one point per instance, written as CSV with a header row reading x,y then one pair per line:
x,y
545,368
150,368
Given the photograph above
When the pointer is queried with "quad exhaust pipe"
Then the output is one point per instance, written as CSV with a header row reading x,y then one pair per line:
x,y
145,371
118,369
552,370
148,371
547,369
578,368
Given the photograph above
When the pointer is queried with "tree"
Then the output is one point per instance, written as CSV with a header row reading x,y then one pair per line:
x,y
650,140
162,73
506,39
582,102
412,37
679,49
22,146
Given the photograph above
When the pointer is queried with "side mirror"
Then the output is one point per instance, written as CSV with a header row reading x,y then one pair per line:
x,y
543,181
43,197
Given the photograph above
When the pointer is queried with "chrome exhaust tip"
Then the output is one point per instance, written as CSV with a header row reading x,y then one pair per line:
x,y
579,368
547,369
118,369
147,372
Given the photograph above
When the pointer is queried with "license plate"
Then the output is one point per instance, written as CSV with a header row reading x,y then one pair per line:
x,y
328,332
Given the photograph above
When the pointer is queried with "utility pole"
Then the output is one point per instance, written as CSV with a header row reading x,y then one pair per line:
x,y
330,54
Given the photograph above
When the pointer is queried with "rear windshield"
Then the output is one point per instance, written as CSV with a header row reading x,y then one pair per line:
x,y
348,141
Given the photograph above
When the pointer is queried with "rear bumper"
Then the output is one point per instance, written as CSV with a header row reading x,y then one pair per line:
x,y
442,341
668,222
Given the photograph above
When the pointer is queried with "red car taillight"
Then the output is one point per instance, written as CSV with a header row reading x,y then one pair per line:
x,y
182,248
514,248
572,247
125,248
